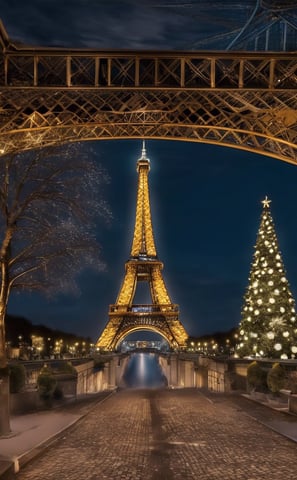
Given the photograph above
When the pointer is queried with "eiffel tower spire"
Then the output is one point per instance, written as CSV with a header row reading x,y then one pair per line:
x,y
143,244
160,316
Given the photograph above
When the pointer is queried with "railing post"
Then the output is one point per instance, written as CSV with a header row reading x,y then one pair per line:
x,y
35,71
213,73
96,79
240,76
271,73
68,71
182,72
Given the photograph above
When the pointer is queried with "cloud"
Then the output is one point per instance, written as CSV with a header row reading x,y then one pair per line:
x,y
128,24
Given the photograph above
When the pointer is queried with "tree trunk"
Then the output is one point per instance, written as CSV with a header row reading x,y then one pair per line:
x,y
4,402
4,373
4,380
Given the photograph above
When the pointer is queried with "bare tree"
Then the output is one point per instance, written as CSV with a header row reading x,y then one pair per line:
x,y
49,200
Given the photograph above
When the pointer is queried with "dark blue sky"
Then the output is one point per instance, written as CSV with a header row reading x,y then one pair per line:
x,y
205,199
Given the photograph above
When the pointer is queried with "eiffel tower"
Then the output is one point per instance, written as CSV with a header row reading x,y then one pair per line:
x,y
161,315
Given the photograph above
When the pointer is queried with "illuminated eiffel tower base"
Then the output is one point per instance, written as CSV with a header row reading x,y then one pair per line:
x,y
161,315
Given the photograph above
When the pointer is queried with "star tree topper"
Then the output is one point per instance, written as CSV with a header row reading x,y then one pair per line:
x,y
266,202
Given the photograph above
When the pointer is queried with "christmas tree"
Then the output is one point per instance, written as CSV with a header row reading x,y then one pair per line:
x,y
268,326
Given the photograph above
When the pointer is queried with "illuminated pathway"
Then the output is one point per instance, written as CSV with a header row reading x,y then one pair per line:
x,y
165,435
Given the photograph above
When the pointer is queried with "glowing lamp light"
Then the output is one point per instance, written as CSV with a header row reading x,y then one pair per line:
x,y
271,300
278,347
256,312
270,283
259,301
270,335
282,309
284,356
294,349
270,271
286,334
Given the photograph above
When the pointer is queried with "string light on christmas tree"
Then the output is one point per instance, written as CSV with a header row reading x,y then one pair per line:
x,y
268,319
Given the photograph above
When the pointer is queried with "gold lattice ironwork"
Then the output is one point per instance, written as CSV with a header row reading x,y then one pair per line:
x,y
161,315
243,100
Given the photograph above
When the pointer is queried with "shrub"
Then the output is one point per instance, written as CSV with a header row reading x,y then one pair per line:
x,y
17,377
46,383
276,378
256,377
67,367
58,393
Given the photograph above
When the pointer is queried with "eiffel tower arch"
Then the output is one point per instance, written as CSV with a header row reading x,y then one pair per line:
x,y
161,315
244,100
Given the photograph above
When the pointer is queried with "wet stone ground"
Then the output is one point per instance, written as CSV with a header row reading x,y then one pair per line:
x,y
163,435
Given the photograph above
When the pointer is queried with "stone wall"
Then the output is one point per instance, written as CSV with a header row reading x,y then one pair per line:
x,y
180,372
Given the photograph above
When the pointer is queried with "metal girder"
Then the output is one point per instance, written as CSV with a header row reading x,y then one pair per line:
x,y
238,99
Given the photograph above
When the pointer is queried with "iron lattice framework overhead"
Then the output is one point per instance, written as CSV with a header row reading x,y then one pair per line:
x,y
161,316
238,99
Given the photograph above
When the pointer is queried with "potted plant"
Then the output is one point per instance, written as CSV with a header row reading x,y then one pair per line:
x,y
46,384
256,380
276,380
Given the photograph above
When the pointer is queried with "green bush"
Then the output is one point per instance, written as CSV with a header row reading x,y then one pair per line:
x,y
67,367
256,377
17,377
276,378
58,393
46,383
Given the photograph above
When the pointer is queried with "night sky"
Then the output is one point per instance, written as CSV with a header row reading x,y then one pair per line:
x,y
205,199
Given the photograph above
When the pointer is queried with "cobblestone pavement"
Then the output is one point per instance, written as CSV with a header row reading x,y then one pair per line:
x,y
165,435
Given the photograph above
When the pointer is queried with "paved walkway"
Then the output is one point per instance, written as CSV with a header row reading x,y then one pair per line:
x,y
32,433
169,434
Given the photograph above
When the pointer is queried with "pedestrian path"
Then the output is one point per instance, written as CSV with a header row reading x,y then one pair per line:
x,y
32,433
29,432
276,418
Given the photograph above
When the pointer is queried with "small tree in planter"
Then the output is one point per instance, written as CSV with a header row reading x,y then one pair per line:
x,y
256,378
17,377
46,384
276,378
